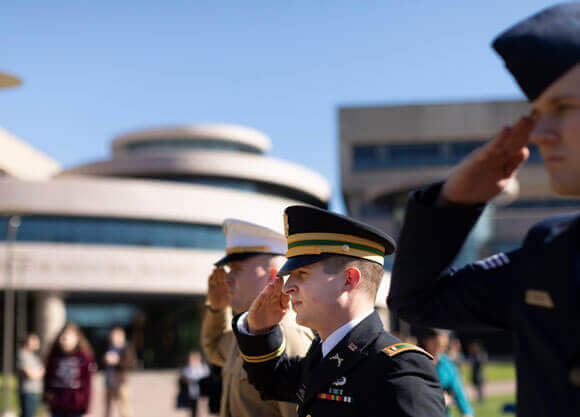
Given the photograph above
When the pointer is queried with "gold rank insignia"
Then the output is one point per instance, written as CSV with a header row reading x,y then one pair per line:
x,y
397,348
539,298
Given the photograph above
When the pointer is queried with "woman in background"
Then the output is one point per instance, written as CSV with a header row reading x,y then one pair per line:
x,y
69,368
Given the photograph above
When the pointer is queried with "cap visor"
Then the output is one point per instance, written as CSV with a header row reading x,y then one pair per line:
x,y
299,261
234,257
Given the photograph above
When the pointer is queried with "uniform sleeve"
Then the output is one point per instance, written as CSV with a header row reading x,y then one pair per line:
x,y
216,335
412,388
426,291
275,375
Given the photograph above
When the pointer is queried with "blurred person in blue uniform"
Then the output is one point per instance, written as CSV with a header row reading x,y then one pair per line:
x,y
533,291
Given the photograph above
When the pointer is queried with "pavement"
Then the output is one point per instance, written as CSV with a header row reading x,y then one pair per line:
x,y
152,394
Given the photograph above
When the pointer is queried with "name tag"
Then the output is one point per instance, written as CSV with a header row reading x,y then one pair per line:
x,y
539,298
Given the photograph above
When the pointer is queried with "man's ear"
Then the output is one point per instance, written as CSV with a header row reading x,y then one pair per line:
x,y
353,278
273,274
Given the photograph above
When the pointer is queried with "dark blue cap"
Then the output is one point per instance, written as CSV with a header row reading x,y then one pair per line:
x,y
542,48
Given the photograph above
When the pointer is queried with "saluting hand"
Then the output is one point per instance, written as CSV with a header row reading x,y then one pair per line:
x,y
218,295
487,171
269,308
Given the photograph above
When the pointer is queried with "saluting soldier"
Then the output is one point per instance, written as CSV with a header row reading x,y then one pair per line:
x,y
253,256
533,291
354,367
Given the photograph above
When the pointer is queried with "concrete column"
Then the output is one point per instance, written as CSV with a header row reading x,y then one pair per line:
x,y
50,316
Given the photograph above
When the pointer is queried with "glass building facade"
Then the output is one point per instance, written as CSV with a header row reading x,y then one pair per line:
x,y
111,231
367,157
177,144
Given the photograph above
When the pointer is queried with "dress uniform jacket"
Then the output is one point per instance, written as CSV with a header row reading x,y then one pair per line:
x,y
368,373
532,291
239,397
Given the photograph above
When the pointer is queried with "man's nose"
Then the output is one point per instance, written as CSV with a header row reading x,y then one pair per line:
x,y
289,288
545,131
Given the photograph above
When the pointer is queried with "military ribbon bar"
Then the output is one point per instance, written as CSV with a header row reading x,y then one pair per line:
x,y
340,398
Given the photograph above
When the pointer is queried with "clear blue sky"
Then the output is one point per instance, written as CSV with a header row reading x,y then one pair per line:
x,y
94,69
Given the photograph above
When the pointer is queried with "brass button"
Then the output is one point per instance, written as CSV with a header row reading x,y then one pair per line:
x,y
308,415
574,376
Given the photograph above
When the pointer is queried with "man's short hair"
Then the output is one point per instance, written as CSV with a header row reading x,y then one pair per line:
x,y
371,272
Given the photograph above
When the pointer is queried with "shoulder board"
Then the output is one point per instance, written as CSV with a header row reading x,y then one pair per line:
x,y
397,348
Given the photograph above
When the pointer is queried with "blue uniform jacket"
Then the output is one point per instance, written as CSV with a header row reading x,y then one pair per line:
x,y
532,291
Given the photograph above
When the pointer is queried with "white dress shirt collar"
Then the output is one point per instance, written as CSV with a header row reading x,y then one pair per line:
x,y
336,336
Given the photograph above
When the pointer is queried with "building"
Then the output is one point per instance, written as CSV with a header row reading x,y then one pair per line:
x,y
132,239
386,151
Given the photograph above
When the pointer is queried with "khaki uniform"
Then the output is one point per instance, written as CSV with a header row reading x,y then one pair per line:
x,y
239,397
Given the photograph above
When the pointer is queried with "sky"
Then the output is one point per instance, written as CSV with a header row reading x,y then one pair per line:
x,y
92,70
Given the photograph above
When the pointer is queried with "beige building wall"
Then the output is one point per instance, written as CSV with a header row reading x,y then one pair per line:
x,y
20,160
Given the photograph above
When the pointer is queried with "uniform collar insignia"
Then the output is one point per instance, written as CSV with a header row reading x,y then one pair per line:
x,y
338,359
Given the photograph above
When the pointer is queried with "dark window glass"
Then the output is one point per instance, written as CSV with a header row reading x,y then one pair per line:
x,y
245,185
105,231
185,144
562,203
535,156
418,154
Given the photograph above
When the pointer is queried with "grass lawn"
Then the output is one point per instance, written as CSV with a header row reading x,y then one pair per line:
x,y
494,372
491,407
13,399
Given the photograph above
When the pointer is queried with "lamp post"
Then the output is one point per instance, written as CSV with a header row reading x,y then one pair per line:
x,y
8,359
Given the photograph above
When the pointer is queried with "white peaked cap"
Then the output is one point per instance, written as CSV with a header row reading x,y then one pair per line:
x,y
245,239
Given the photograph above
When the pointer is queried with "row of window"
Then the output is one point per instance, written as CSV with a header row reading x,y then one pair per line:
x,y
366,157
109,231
245,185
181,144
559,203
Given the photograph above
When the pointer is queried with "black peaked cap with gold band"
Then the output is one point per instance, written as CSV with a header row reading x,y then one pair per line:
x,y
314,234
542,48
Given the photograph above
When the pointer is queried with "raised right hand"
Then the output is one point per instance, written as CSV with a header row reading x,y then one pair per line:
x,y
488,170
269,307
218,295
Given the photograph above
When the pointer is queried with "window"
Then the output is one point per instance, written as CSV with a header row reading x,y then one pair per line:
x,y
106,231
557,203
242,184
191,144
367,157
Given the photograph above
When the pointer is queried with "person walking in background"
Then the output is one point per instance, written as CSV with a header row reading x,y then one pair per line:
x,y
253,256
30,374
118,360
211,387
455,352
477,359
190,376
69,369
436,343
